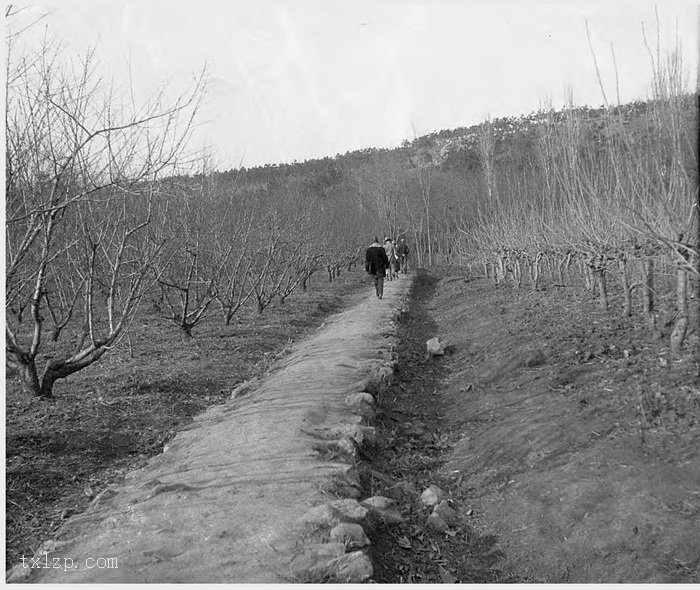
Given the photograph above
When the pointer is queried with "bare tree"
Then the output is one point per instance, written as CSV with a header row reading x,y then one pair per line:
x,y
81,167
197,229
233,291
292,236
281,259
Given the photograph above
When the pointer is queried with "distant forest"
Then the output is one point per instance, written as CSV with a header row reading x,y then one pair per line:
x,y
574,178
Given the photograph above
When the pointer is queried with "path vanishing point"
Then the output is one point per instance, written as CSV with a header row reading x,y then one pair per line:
x,y
260,489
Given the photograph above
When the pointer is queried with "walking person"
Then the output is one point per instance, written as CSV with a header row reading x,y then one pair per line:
x,y
402,252
391,255
376,263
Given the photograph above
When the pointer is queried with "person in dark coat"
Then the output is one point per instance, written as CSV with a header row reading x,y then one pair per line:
x,y
376,263
402,254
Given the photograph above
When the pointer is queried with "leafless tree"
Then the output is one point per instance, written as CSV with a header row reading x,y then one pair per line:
x,y
197,227
233,291
81,167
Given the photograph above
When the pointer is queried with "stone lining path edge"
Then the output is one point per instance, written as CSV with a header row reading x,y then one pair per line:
x,y
260,489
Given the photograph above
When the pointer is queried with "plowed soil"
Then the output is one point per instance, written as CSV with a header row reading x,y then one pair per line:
x,y
566,438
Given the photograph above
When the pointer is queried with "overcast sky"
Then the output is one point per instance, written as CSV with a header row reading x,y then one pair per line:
x,y
304,79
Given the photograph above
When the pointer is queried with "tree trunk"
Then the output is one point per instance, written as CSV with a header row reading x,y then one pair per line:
x,y
502,269
560,271
46,391
29,376
648,293
681,326
626,289
588,276
536,272
549,264
55,370
599,278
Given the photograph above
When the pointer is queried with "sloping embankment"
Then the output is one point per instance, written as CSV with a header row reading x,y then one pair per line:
x,y
260,489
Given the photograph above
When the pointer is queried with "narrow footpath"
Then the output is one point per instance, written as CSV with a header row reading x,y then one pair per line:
x,y
260,489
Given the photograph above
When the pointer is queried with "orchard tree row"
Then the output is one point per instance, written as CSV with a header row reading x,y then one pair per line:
x,y
106,206
609,195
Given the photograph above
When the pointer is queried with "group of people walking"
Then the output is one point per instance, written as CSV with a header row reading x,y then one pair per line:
x,y
386,260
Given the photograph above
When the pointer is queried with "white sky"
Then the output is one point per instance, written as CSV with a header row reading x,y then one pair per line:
x,y
305,79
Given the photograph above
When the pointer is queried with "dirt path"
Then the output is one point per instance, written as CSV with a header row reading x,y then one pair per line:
x,y
255,489
566,440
